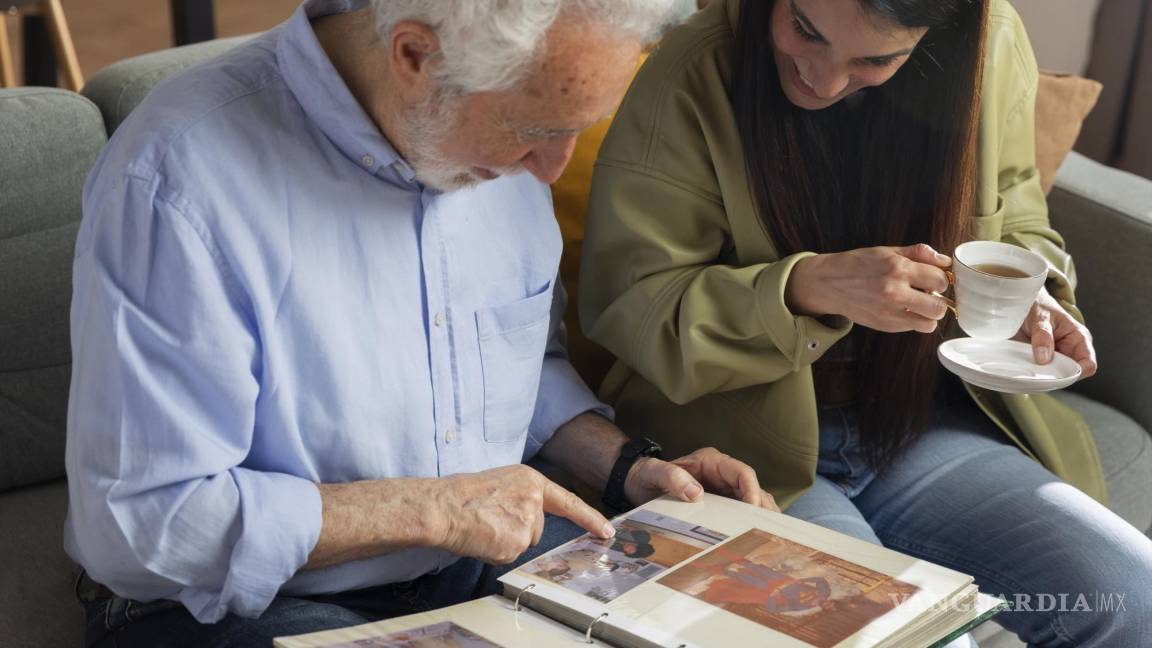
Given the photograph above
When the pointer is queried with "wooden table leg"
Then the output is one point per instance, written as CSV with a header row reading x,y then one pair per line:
x,y
65,48
192,21
7,71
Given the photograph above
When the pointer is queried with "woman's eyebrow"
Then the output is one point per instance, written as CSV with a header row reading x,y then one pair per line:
x,y
803,19
799,15
887,57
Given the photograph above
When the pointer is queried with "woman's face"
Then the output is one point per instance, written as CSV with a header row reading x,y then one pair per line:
x,y
828,49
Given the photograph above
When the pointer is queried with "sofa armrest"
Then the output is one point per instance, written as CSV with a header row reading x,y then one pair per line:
x,y
1105,216
120,87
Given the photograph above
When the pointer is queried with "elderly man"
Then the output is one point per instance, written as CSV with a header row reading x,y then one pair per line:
x,y
316,326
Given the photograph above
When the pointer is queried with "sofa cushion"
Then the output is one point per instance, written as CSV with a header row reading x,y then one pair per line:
x,y
1126,454
36,590
33,414
49,140
120,87
1105,215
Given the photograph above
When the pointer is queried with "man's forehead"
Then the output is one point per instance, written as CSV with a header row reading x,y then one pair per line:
x,y
564,105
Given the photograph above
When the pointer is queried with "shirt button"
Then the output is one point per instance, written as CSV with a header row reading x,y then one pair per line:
x,y
449,436
368,160
813,345
438,320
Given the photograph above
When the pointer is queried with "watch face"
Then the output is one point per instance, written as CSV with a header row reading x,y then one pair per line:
x,y
642,448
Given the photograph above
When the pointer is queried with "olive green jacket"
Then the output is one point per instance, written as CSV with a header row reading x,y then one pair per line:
x,y
681,282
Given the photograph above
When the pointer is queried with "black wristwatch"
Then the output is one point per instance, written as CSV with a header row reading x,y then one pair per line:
x,y
629,455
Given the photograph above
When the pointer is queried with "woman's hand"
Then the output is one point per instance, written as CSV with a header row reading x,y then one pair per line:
x,y
883,288
688,477
1049,327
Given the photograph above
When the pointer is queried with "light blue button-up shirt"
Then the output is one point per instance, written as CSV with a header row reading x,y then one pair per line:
x,y
264,300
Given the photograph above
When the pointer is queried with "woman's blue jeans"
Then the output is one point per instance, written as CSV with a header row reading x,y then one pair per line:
x,y
962,496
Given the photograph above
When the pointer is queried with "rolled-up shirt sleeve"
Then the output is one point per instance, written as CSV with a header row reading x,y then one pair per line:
x,y
167,497
562,395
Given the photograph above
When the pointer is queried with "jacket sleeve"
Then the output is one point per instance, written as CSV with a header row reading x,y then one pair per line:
x,y
656,293
1008,139
161,417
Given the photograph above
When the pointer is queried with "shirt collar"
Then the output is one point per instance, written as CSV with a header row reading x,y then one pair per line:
x,y
324,96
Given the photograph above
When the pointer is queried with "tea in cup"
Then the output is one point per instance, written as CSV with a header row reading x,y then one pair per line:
x,y
995,287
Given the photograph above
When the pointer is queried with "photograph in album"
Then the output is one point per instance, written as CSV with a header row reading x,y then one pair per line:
x,y
799,591
645,545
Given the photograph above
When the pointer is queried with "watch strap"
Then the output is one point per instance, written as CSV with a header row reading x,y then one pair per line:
x,y
632,452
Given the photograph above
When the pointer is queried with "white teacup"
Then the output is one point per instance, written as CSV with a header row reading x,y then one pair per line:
x,y
996,285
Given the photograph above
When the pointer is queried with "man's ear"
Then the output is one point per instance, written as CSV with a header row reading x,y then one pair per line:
x,y
413,53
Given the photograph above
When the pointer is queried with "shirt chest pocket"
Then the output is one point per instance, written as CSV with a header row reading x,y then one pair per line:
x,y
513,338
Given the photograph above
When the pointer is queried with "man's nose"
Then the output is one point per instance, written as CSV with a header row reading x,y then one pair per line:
x,y
548,161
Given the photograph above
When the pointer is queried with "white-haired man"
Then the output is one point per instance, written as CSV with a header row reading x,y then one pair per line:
x,y
316,327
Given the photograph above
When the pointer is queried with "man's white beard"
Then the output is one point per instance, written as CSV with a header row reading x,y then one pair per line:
x,y
426,127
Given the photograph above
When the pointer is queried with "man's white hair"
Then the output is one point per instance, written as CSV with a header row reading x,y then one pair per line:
x,y
491,45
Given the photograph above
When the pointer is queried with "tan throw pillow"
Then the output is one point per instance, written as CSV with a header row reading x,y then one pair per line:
x,y
1062,103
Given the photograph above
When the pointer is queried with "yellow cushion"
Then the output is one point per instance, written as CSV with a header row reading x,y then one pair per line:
x,y
1062,104
570,196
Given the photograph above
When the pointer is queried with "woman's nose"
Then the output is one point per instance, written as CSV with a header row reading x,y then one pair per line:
x,y
830,82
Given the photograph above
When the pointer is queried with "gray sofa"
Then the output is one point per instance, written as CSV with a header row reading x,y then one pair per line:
x,y
49,140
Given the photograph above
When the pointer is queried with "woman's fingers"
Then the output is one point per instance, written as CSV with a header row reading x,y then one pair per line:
x,y
1050,328
923,268
1043,340
925,305
924,253
911,311
1078,345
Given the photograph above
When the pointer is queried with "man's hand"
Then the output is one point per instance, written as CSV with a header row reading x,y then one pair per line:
x,y
688,477
1049,327
497,514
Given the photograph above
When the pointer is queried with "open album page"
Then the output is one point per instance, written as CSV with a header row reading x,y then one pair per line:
x,y
722,573
484,623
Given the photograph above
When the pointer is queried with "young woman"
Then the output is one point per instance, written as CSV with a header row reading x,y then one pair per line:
x,y
769,216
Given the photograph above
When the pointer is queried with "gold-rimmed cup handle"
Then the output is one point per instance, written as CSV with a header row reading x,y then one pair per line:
x,y
951,303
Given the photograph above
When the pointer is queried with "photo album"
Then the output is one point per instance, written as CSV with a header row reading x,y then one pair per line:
x,y
712,573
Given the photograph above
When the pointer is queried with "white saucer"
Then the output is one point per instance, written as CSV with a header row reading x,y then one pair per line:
x,y
1006,366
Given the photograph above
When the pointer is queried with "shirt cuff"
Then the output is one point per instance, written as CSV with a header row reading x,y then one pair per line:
x,y
562,397
801,339
282,517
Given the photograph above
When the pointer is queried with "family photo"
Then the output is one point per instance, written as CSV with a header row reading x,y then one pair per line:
x,y
797,590
645,544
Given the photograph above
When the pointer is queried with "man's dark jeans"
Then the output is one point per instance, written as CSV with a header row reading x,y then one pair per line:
x,y
116,622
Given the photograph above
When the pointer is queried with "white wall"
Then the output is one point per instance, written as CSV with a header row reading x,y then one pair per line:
x,y
1061,32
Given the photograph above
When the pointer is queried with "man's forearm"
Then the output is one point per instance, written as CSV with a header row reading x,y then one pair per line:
x,y
370,518
586,447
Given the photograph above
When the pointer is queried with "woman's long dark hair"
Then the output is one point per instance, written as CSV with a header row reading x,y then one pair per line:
x,y
896,168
